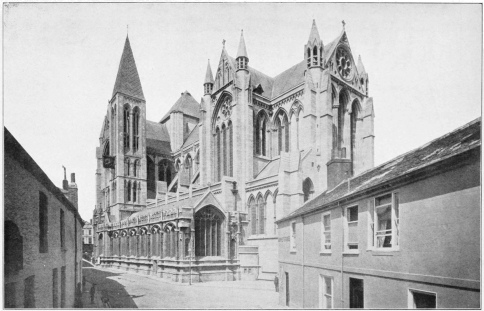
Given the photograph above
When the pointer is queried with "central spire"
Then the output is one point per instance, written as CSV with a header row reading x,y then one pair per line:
x,y
127,80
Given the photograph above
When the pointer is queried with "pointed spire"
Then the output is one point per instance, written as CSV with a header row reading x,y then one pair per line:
x,y
359,66
314,35
127,80
208,75
242,51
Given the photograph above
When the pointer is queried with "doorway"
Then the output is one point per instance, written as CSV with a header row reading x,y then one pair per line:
x,y
356,293
287,289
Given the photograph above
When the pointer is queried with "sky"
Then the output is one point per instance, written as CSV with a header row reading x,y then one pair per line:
x,y
60,62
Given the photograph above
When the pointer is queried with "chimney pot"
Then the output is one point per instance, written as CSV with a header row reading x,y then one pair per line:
x,y
73,177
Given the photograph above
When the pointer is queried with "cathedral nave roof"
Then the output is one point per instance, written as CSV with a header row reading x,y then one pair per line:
x,y
185,104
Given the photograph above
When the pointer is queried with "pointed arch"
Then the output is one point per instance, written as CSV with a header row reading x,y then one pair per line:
x,y
355,115
188,168
230,149
281,125
165,170
150,176
308,188
343,102
315,56
135,189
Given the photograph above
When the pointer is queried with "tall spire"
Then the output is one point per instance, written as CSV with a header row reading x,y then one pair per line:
x,y
127,80
314,35
208,75
242,51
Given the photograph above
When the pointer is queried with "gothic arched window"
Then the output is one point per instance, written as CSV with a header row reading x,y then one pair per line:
x,y
188,168
315,56
308,189
136,114
343,102
219,156
260,134
253,216
308,57
135,189
126,127
261,206
230,148
208,232
151,182
129,191
165,169
127,167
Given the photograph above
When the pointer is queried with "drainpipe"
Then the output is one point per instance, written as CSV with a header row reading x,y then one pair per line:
x,y
342,256
302,219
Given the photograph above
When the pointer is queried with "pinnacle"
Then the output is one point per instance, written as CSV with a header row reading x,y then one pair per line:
x,y
208,75
359,66
127,80
314,35
242,51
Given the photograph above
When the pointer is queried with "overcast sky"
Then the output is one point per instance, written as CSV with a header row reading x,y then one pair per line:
x,y
61,60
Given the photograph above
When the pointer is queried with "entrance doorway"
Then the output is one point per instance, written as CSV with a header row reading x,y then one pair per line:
x,y
288,299
356,293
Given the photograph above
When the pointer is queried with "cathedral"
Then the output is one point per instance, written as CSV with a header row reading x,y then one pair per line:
x,y
195,196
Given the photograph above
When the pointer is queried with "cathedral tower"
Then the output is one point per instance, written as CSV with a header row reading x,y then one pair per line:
x,y
122,152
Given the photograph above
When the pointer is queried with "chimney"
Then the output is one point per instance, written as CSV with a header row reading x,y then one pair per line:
x,y
65,184
72,190
338,170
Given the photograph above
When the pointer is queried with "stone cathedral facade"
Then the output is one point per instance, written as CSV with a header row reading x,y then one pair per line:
x,y
197,194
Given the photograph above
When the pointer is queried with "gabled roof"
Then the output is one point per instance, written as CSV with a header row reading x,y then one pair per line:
x,y
266,82
185,104
452,144
192,137
127,80
157,138
288,79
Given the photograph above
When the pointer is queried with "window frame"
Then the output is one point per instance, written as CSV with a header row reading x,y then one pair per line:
x,y
395,222
325,250
411,300
322,291
347,224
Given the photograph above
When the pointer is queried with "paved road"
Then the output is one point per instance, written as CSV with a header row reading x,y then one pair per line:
x,y
131,290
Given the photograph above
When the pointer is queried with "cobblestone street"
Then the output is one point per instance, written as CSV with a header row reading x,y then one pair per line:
x,y
130,290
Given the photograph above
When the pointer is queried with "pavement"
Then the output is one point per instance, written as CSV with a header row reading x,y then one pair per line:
x,y
131,290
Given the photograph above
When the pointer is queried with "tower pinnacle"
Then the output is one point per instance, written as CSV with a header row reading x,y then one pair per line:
x,y
242,51
314,35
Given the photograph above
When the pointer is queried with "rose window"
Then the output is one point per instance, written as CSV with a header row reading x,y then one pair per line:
x,y
343,61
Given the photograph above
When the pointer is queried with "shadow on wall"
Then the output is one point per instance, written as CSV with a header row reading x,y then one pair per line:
x,y
118,296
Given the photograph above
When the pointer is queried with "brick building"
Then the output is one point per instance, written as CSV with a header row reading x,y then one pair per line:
x,y
208,181
42,234
405,234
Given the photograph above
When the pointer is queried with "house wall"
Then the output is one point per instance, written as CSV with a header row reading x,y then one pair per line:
x,y
22,207
438,248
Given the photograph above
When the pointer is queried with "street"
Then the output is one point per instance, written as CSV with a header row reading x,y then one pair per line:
x,y
130,290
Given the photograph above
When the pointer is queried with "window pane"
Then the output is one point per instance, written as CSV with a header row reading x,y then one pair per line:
x,y
424,300
328,285
384,216
353,213
386,199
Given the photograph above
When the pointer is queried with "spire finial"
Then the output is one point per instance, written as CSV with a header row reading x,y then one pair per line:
x,y
343,22
127,30
223,42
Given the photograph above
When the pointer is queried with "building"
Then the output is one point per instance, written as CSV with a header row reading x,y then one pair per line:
x,y
404,234
198,193
42,235
87,240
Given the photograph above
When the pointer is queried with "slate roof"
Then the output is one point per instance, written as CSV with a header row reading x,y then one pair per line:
x,y
458,141
192,137
186,104
127,80
157,138
288,79
189,202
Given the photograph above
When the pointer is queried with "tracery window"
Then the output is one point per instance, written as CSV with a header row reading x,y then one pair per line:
x,y
355,110
165,171
223,140
126,127
343,101
208,232
136,114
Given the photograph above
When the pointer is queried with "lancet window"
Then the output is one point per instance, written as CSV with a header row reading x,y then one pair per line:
x,y
126,127
260,134
223,140
136,114
258,215
282,132
165,171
